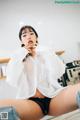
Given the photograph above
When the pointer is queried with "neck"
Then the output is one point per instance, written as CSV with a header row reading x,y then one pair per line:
x,y
33,52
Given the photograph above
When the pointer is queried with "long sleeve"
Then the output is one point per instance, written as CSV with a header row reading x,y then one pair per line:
x,y
58,65
56,68
57,71
15,67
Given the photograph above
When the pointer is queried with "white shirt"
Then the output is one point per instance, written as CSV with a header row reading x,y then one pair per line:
x,y
39,73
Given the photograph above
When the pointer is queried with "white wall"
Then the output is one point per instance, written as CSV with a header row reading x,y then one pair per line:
x,y
58,25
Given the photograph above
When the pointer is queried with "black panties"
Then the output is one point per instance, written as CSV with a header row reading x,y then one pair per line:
x,y
43,103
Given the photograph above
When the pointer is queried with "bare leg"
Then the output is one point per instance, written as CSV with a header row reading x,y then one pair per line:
x,y
65,101
27,109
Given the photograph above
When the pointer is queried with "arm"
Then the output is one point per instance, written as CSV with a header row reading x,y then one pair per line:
x,y
56,68
59,70
15,67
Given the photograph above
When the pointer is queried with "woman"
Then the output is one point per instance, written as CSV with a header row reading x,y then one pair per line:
x,y
35,75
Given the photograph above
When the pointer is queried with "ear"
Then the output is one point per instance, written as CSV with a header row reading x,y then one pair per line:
x,y
37,41
22,45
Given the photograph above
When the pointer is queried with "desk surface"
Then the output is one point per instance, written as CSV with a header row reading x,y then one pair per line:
x,y
4,60
59,52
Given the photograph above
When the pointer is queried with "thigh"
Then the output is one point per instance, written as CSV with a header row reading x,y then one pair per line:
x,y
27,109
65,101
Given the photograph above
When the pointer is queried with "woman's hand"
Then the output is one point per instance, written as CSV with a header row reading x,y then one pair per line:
x,y
31,48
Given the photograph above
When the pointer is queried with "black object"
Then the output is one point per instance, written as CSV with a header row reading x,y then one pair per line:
x,y
43,103
29,54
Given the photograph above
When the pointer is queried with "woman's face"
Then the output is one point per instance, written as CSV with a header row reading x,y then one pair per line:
x,y
28,37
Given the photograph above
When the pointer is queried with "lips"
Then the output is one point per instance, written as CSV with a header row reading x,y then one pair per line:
x,y
30,41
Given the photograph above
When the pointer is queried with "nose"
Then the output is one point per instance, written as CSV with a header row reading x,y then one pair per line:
x,y
28,36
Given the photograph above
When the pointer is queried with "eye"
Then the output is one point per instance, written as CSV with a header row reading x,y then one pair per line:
x,y
32,33
24,35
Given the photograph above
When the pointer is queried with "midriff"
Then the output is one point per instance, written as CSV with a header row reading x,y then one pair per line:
x,y
38,94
